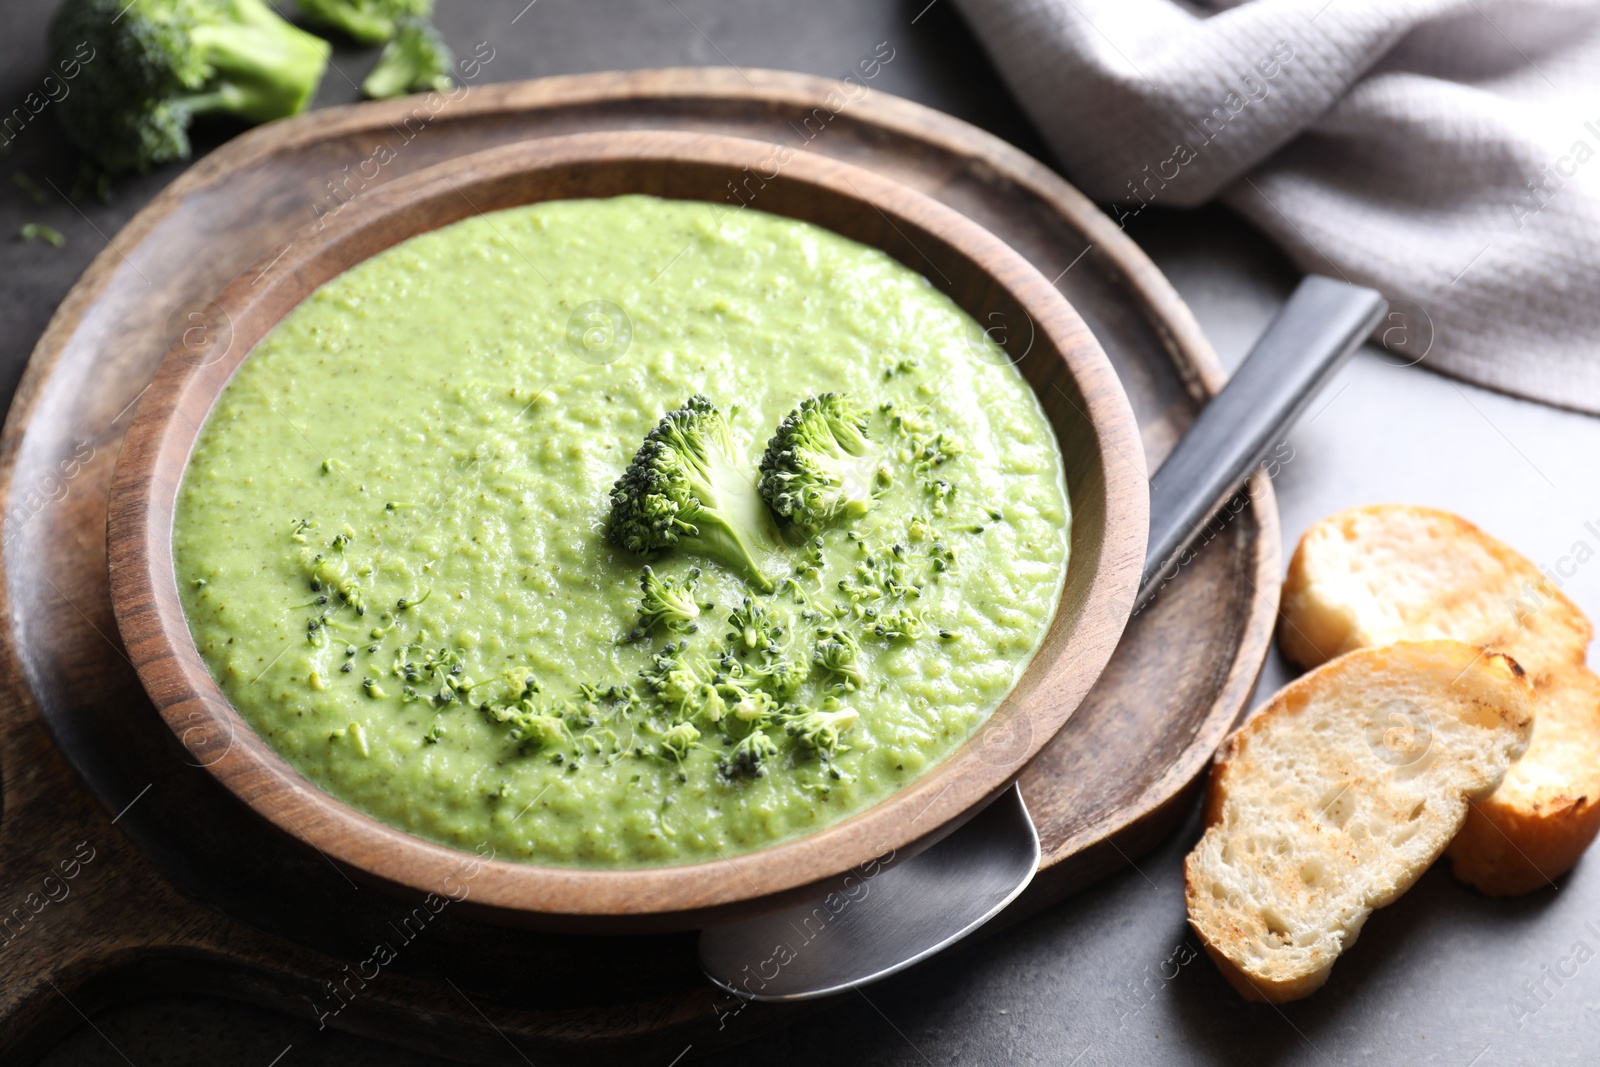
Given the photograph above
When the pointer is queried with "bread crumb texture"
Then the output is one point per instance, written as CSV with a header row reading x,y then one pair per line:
x,y
1384,573
1372,575
1337,794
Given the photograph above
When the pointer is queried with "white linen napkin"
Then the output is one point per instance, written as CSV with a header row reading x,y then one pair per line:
x,y
1445,152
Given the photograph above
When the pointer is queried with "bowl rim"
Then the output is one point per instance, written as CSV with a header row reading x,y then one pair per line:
x,y
155,632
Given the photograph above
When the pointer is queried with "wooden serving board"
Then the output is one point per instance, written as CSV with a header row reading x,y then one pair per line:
x,y
127,871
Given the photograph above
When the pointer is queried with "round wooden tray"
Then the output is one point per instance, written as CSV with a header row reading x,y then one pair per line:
x,y
125,870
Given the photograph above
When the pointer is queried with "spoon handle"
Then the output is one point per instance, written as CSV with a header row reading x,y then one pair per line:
x,y
1323,322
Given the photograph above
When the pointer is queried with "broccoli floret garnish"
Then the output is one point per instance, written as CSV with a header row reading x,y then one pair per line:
x,y
677,742
819,730
820,465
666,602
749,757
754,628
159,63
416,61
533,723
839,654
687,487
366,21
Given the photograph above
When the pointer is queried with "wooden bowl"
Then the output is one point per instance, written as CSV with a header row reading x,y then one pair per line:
x,y
1040,331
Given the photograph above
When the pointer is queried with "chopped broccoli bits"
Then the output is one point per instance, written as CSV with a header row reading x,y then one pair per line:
x,y
400,555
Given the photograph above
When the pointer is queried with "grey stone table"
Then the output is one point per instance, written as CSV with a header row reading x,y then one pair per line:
x,y
1112,976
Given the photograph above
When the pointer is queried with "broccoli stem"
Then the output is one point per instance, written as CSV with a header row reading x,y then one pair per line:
x,y
740,532
415,61
266,68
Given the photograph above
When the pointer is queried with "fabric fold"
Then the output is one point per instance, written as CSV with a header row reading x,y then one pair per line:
x,y
1441,151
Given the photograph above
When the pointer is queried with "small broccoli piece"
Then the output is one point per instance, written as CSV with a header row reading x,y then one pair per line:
x,y
685,685
749,757
415,662
687,487
838,654
819,730
160,63
782,677
38,231
942,492
746,700
536,729
677,741
416,61
366,21
820,465
754,627
882,575
667,603
934,451
900,624
334,574
533,724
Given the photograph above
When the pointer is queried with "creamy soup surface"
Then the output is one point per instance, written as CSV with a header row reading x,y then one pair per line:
x,y
392,537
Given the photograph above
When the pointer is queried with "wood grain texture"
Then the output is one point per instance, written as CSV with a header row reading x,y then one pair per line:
x,y
192,891
1047,342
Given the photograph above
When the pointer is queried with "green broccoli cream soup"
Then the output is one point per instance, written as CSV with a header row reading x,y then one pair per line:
x,y
621,533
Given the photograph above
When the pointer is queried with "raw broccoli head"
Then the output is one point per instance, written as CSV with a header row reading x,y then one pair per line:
x,y
687,487
416,61
820,465
159,63
366,21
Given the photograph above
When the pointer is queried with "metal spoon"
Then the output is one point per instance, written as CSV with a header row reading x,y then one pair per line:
x,y
868,924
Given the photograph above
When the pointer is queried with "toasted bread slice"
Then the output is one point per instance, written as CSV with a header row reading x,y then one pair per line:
x,y
1372,575
1547,810
1336,795
1376,574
